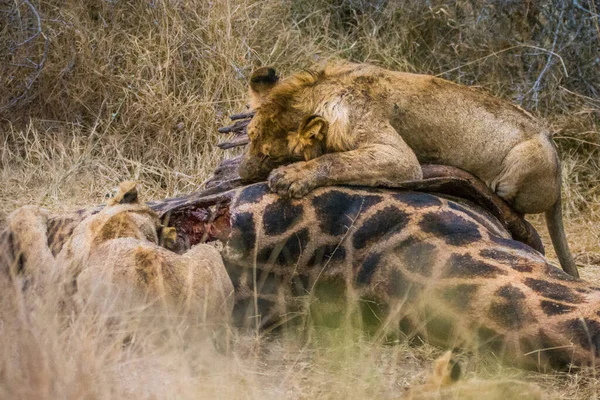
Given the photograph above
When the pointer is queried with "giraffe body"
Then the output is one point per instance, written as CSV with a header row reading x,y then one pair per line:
x,y
425,265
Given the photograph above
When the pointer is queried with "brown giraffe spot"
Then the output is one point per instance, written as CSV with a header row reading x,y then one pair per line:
x,y
252,194
586,332
542,349
281,216
290,252
416,256
465,266
383,223
328,253
367,269
244,237
336,210
510,311
418,200
450,227
551,308
460,297
554,291
518,263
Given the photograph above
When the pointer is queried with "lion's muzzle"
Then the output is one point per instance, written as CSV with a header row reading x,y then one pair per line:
x,y
255,169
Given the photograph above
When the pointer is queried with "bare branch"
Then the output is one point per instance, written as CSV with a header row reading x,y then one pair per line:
x,y
236,142
36,66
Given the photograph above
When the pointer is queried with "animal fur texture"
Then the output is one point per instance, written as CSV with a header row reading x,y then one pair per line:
x,y
117,251
359,124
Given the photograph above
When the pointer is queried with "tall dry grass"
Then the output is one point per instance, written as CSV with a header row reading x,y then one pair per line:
x,y
136,89
96,92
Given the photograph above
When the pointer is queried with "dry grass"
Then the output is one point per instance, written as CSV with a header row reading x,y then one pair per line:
x,y
115,90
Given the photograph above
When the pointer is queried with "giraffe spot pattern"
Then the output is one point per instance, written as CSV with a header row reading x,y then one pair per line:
x,y
281,216
418,200
252,194
544,349
331,253
460,297
367,269
509,311
290,252
586,332
551,308
300,285
416,256
399,286
465,266
336,210
554,291
450,227
245,233
518,263
389,220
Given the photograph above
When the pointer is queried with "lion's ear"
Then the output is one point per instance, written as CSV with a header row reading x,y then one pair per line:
x,y
126,194
313,128
309,140
261,83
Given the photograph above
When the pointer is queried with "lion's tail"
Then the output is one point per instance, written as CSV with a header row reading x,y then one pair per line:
x,y
554,221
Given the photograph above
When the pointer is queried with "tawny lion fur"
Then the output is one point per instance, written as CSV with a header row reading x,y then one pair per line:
x,y
117,251
359,124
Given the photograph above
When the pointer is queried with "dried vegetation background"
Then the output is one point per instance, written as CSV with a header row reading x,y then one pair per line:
x,y
95,92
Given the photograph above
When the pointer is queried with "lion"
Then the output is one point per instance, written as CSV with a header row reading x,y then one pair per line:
x,y
120,250
24,249
359,124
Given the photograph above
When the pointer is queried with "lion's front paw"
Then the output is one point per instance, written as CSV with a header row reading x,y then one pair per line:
x,y
291,180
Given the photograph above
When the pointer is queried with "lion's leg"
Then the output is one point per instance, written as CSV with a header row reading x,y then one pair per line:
x,y
530,177
530,182
386,163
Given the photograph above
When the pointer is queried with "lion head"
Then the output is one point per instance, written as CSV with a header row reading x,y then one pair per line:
x,y
282,131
